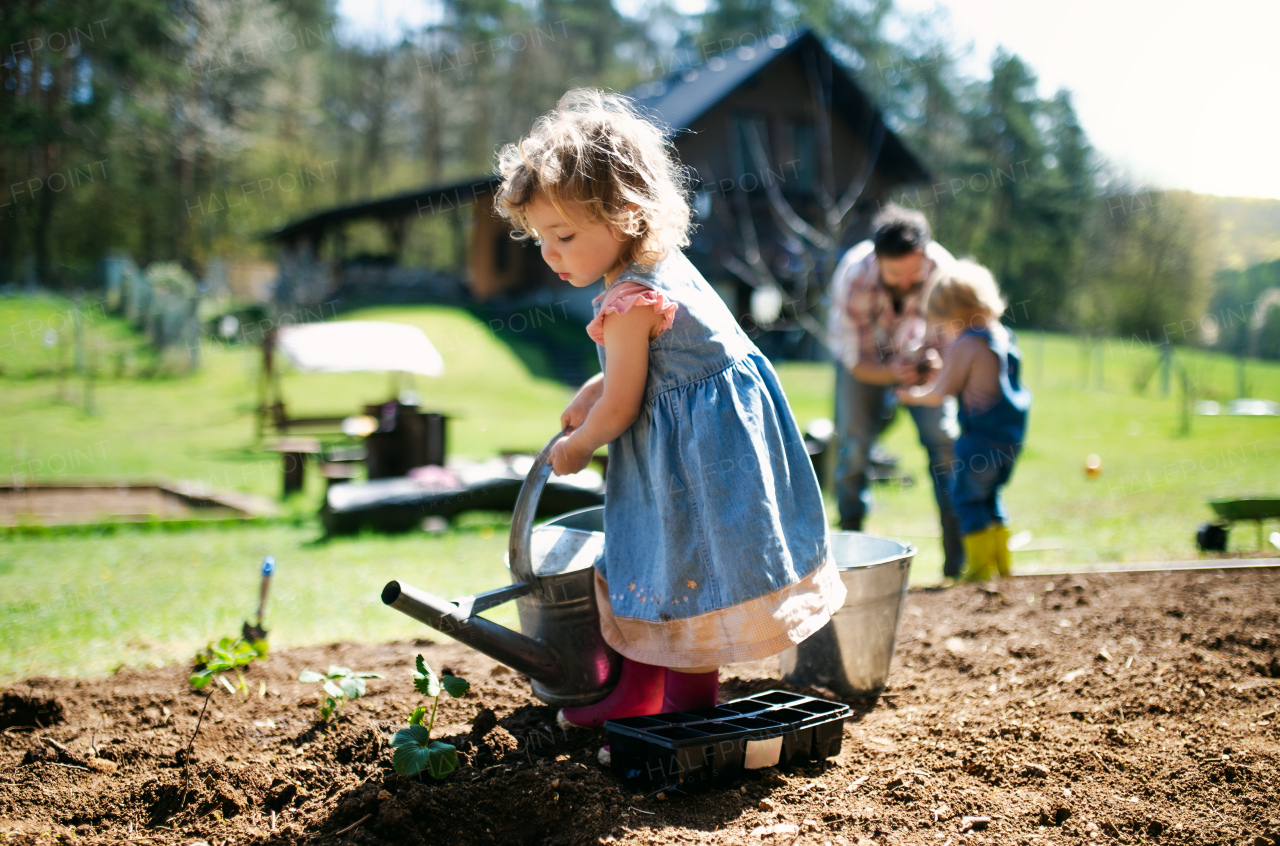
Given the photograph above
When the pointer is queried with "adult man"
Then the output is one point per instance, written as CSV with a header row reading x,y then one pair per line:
x,y
877,337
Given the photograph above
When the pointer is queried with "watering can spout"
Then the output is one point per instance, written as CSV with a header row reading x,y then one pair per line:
x,y
521,653
561,649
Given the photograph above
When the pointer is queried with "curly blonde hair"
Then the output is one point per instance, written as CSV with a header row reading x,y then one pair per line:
x,y
595,150
965,289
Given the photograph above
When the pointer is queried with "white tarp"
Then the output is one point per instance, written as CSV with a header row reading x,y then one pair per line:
x,y
350,345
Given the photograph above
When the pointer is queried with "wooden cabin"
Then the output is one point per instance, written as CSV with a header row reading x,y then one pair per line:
x,y
777,97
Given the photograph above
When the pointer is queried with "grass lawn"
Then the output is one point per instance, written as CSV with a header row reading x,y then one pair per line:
x,y
84,603
201,427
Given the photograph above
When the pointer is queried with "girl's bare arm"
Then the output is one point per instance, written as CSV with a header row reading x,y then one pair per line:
x,y
626,345
582,403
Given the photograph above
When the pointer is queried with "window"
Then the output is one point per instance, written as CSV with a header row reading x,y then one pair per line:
x,y
745,163
802,171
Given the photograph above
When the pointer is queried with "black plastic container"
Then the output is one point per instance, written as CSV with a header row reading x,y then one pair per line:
x,y
709,747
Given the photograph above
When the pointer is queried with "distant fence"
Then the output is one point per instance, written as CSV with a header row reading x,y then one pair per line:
x,y
163,303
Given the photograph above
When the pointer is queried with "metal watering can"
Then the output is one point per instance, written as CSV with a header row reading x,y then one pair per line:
x,y
552,568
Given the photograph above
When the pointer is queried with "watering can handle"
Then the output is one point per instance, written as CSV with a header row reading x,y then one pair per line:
x,y
518,551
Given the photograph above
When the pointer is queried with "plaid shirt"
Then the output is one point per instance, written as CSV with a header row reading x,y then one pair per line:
x,y
862,324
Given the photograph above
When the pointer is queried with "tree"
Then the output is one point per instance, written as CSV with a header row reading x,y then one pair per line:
x,y
63,65
1148,274
1269,333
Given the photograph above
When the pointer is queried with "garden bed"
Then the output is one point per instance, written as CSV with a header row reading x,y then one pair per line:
x,y
1135,707
44,505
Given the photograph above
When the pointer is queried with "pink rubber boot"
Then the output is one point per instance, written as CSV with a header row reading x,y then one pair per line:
x,y
639,693
687,691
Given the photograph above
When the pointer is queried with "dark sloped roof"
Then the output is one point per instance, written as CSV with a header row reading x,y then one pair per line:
x,y
423,201
684,95
681,98
677,101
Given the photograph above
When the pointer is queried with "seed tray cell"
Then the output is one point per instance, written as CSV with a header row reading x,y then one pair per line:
x,y
708,747
797,739
778,697
640,722
753,723
711,713
678,733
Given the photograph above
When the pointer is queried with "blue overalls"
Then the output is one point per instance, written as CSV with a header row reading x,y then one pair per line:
x,y
990,441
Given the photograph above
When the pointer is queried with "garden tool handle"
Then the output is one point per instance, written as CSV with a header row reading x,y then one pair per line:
x,y
268,568
518,550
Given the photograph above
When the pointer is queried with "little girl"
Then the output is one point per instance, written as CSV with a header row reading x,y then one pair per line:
x,y
715,533
983,368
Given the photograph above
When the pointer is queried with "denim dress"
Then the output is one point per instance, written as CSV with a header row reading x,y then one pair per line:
x,y
990,441
715,532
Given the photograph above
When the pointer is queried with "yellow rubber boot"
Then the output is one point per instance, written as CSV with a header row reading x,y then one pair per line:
x,y
1000,546
979,556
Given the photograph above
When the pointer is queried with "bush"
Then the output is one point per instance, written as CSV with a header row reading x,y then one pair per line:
x,y
169,277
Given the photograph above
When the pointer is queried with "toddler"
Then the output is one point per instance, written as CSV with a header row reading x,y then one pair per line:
x,y
983,369
715,534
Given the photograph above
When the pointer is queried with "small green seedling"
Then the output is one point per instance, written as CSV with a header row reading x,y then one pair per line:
x,y
415,750
340,685
228,654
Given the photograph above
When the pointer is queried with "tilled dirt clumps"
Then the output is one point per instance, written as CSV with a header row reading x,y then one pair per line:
x,y
1128,708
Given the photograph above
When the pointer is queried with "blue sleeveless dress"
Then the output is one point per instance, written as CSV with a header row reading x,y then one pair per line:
x,y
715,533
990,441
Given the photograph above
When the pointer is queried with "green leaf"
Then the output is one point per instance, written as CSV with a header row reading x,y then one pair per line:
x,y
310,676
442,759
352,688
411,735
331,688
410,760
412,754
201,679
455,686
368,675
415,719
425,681
260,648
336,672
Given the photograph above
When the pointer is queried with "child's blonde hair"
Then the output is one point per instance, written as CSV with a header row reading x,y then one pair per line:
x,y
594,149
964,290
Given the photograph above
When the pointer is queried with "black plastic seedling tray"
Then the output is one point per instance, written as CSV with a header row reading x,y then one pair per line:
x,y
709,747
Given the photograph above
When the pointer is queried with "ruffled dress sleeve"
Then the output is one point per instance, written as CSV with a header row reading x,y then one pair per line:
x,y
623,296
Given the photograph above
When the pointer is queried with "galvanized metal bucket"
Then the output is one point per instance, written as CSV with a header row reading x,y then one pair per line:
x,y
851,655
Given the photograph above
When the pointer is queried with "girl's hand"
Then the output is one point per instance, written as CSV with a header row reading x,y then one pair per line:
x,y
567,458
575,414
905,372
910,396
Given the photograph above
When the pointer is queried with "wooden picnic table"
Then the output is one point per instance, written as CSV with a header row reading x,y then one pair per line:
x,y
294,453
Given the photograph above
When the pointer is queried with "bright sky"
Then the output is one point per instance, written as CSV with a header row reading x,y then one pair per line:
x,y
1179,94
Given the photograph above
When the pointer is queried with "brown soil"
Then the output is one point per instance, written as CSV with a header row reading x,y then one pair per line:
x,y
1133,708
